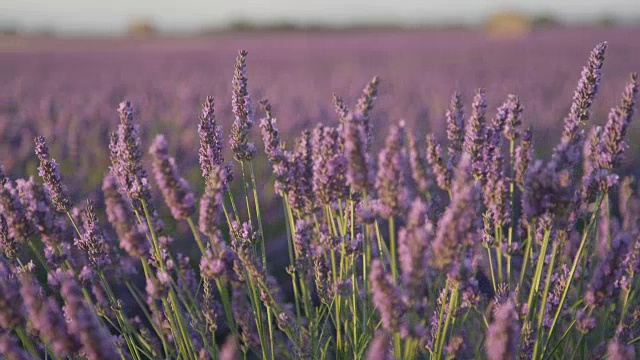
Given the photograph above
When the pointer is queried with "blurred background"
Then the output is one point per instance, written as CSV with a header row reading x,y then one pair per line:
x,y
66,64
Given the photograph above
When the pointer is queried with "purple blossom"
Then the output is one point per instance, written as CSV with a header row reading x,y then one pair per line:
x,y
278,157
329,165
364,107
387,299
413,243
393,194
455,129
503,334
601,289
613,146
241,105
97,342
359,169
176,190
212,201
567,153
126,164
92,241
523,157
301,196
380,347
619,350
47,318
50,174
19,226
440,169
457,228
418,166
475,132
132,237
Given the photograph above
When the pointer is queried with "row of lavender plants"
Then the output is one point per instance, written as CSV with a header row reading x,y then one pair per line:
x,y
476,251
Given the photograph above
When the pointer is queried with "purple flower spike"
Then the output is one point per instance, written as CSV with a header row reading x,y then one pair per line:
x,y
50,174
175,189
241,104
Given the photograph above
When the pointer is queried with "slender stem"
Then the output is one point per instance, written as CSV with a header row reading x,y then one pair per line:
x,y
393,246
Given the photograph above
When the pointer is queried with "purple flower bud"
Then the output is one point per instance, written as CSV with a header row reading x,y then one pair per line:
x,y
175,189
503,334
455,129
50,174
11,310
611,150
413,243
386,298
47,318
619,350
132,237
19,226
210,141
126,164
7,243
393,194
418,166
329,165
475,132
523,157
602,286
567,153
92,241
212,201
97,342
457,228
301,196
440,169
380,347
229,350
9,347
359,170
241,104
364,107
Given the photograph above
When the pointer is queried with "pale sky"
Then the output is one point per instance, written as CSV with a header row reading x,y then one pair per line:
x,y
113,15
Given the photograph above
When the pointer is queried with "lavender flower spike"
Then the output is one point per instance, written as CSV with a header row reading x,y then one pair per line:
x,y
455,129
19,226
7,244
475,132
278,157
175,189
359,172
364,107
97,342
386,298
393,195
613,144
92,241
567,153
126,163
439,167
119,213
503,334
241,104
50,174
210,139
211,202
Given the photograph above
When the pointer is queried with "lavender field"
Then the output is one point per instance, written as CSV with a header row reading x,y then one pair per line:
x,y
364,195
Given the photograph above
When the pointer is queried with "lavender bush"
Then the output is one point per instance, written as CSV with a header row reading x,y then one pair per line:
x,y
473,249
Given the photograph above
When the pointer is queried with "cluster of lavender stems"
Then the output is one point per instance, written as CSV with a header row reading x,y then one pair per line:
x,y
476,249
